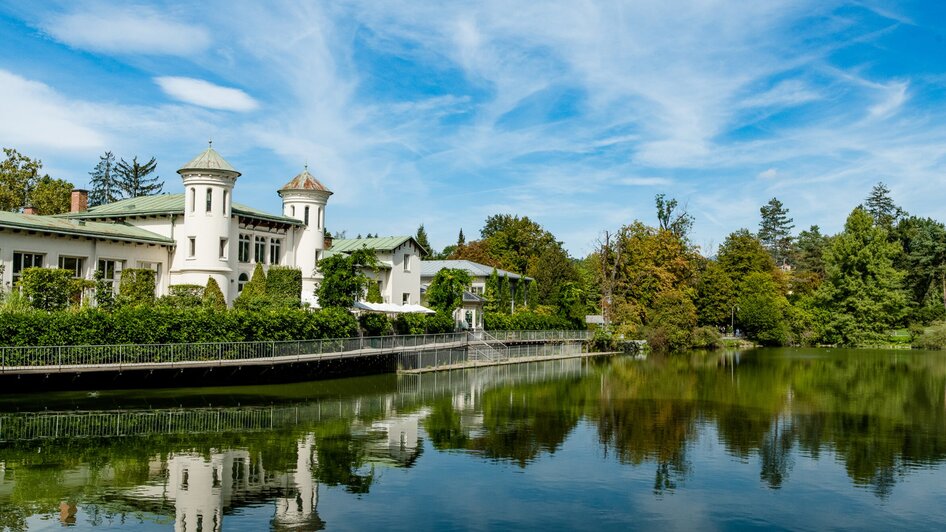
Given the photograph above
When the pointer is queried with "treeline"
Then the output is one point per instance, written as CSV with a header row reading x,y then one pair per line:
x,y
23,183
881,280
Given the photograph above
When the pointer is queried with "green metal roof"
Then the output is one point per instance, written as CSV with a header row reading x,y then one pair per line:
x,y
167,204
66,226
209,159
384,243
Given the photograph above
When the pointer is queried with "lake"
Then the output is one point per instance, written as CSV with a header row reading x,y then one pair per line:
x,y
800,439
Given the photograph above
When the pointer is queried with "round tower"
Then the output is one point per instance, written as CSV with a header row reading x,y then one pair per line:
x,y
203,241
304,198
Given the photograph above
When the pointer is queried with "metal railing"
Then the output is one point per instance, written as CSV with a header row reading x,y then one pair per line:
x,y
12,358
19,358
537,336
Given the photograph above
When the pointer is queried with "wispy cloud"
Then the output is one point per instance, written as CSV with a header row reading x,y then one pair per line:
x,y
572,113
206,94
35,115
127,30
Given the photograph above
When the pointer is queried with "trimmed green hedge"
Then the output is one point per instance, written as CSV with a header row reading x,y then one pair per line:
x,y
424,323
527,321
161,325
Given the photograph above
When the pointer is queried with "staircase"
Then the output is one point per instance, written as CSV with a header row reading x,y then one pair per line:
x,y
484,347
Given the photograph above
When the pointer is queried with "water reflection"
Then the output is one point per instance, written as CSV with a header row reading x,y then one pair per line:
x,y
881,415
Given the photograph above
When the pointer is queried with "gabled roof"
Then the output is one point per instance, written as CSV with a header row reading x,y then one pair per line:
x,y
429,268
65,226
166,204
384,243
305,181
208,159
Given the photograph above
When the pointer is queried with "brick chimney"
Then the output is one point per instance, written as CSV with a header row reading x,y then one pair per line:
x,y
80,200
29,209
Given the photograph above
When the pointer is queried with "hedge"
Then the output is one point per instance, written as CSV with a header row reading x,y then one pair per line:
x,y
424,323
527,321
161,325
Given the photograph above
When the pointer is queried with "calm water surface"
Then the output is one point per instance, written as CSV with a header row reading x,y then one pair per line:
x,y
764,439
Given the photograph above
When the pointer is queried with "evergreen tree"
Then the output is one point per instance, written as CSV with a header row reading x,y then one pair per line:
x,y
491,292
213,296
421,238
105,185
775,230
461,240
519,295
133,178
881,206
532,295
254,292
505,296
862,288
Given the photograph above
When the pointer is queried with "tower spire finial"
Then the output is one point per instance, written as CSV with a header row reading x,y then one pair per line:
x,y
210,143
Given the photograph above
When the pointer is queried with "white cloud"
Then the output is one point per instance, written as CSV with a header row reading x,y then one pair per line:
x,y
768,174
893,97
206,94
127,30
34,115
644,181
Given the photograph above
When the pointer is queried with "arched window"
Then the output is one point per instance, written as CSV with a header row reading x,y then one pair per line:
x,y
210,196
306,220
225,198
292,210
244,278
193,199
321,218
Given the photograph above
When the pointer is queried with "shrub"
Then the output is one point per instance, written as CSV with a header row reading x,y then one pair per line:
x,y
254,295
46,288
104,292
374,324
933,337
213,297
136,287
284,286
706,338
183,296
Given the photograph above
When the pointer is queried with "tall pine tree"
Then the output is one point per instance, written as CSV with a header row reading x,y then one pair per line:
x,y
134,180
775,230
421,238
881,206
105,186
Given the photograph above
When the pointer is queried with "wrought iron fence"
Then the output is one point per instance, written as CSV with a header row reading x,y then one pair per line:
x,y
19,358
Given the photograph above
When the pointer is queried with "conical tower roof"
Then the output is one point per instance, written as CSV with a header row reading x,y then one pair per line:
x,y
305,181
209,159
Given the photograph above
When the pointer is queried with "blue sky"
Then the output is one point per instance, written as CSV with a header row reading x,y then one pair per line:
x,y
573,113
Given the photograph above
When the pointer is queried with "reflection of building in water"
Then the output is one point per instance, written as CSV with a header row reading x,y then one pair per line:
x,y
201,488
400,444
295,509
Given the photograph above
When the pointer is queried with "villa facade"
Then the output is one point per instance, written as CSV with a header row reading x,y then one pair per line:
x,y
200,234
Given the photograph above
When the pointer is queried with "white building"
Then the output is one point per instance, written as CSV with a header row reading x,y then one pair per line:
x,y
399,265
190,237
470,313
